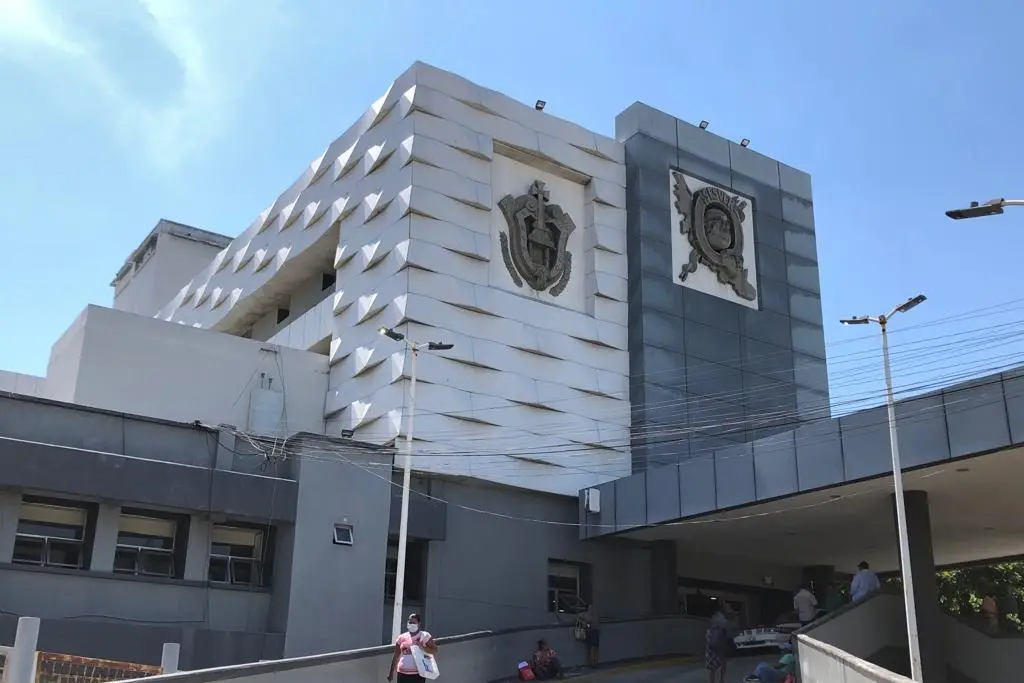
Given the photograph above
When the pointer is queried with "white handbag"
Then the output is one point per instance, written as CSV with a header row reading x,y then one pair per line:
x,y
426,663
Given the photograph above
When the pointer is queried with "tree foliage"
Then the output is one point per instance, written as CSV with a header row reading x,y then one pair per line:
x,y
961,590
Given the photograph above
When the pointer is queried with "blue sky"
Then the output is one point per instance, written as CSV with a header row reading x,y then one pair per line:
x,y
126,111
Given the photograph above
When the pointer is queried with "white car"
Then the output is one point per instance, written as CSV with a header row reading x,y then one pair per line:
x,y
769,636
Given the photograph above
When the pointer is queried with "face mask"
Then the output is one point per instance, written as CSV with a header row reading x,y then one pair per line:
x,y
412,628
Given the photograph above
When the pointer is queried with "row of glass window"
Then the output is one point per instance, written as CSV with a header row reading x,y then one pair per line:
x,y
55,535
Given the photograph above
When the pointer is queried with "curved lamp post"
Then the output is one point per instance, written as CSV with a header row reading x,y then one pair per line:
x,y
992,207
403,527
897,480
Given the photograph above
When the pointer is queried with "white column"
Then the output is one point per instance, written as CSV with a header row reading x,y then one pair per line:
x,y
104,541
169,658
10,513
21,662
197,553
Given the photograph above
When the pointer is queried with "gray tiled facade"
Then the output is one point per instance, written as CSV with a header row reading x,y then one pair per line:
x,y
706,373
959,421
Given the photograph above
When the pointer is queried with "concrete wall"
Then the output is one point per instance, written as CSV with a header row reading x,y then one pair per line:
x,y
476,535
820,662
475,657
95,596
28,385
348,487
462,593
864,629
94,458
177,254
730,370
979,655
128,641
129,363
71,450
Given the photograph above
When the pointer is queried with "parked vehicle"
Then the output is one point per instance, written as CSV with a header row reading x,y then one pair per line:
x,y
776,636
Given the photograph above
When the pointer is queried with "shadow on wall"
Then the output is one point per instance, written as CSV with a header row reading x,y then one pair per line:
x,y
474,657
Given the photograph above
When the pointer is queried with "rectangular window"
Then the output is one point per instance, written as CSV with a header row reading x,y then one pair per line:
x,y
236,555
282,315
50,536
565,587
145,546
327,281
415,570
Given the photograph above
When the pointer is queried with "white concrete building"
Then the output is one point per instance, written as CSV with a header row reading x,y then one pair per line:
x,y
397,225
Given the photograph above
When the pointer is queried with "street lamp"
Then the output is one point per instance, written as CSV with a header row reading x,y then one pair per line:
x,y
897,479
992,207
403,527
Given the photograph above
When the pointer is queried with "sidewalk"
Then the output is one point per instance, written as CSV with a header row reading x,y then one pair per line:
x,y
682,670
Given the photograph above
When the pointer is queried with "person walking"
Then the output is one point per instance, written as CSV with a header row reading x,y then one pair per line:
x,y
865,582
805,604
402,662
591,625
716,644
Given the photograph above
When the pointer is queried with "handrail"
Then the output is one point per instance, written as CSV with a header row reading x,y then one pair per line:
x,y
236,671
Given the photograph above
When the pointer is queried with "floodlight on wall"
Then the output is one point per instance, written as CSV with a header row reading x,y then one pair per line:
x,y
540,105
391,334
745,142
704,125
348,433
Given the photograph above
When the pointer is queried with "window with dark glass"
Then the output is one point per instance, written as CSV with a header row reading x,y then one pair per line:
x,y
50,536
236,555
565,587
415,570
145,546
327,281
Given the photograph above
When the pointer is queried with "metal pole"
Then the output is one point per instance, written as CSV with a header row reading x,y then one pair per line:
x,y
403,527
901,517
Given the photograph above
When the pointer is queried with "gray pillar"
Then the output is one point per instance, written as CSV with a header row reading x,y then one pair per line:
x,y
197,552
104,540
225,448
10,514
926,595
664,578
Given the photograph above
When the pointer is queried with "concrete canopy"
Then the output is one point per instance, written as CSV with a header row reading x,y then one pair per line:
x,y
977,513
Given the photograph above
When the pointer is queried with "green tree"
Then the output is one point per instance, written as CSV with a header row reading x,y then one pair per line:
x,y
961,590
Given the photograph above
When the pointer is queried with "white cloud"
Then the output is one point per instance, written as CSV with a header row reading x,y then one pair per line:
x,y
217,48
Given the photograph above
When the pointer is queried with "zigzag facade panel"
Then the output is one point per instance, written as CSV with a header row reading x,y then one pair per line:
x,y
535,392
